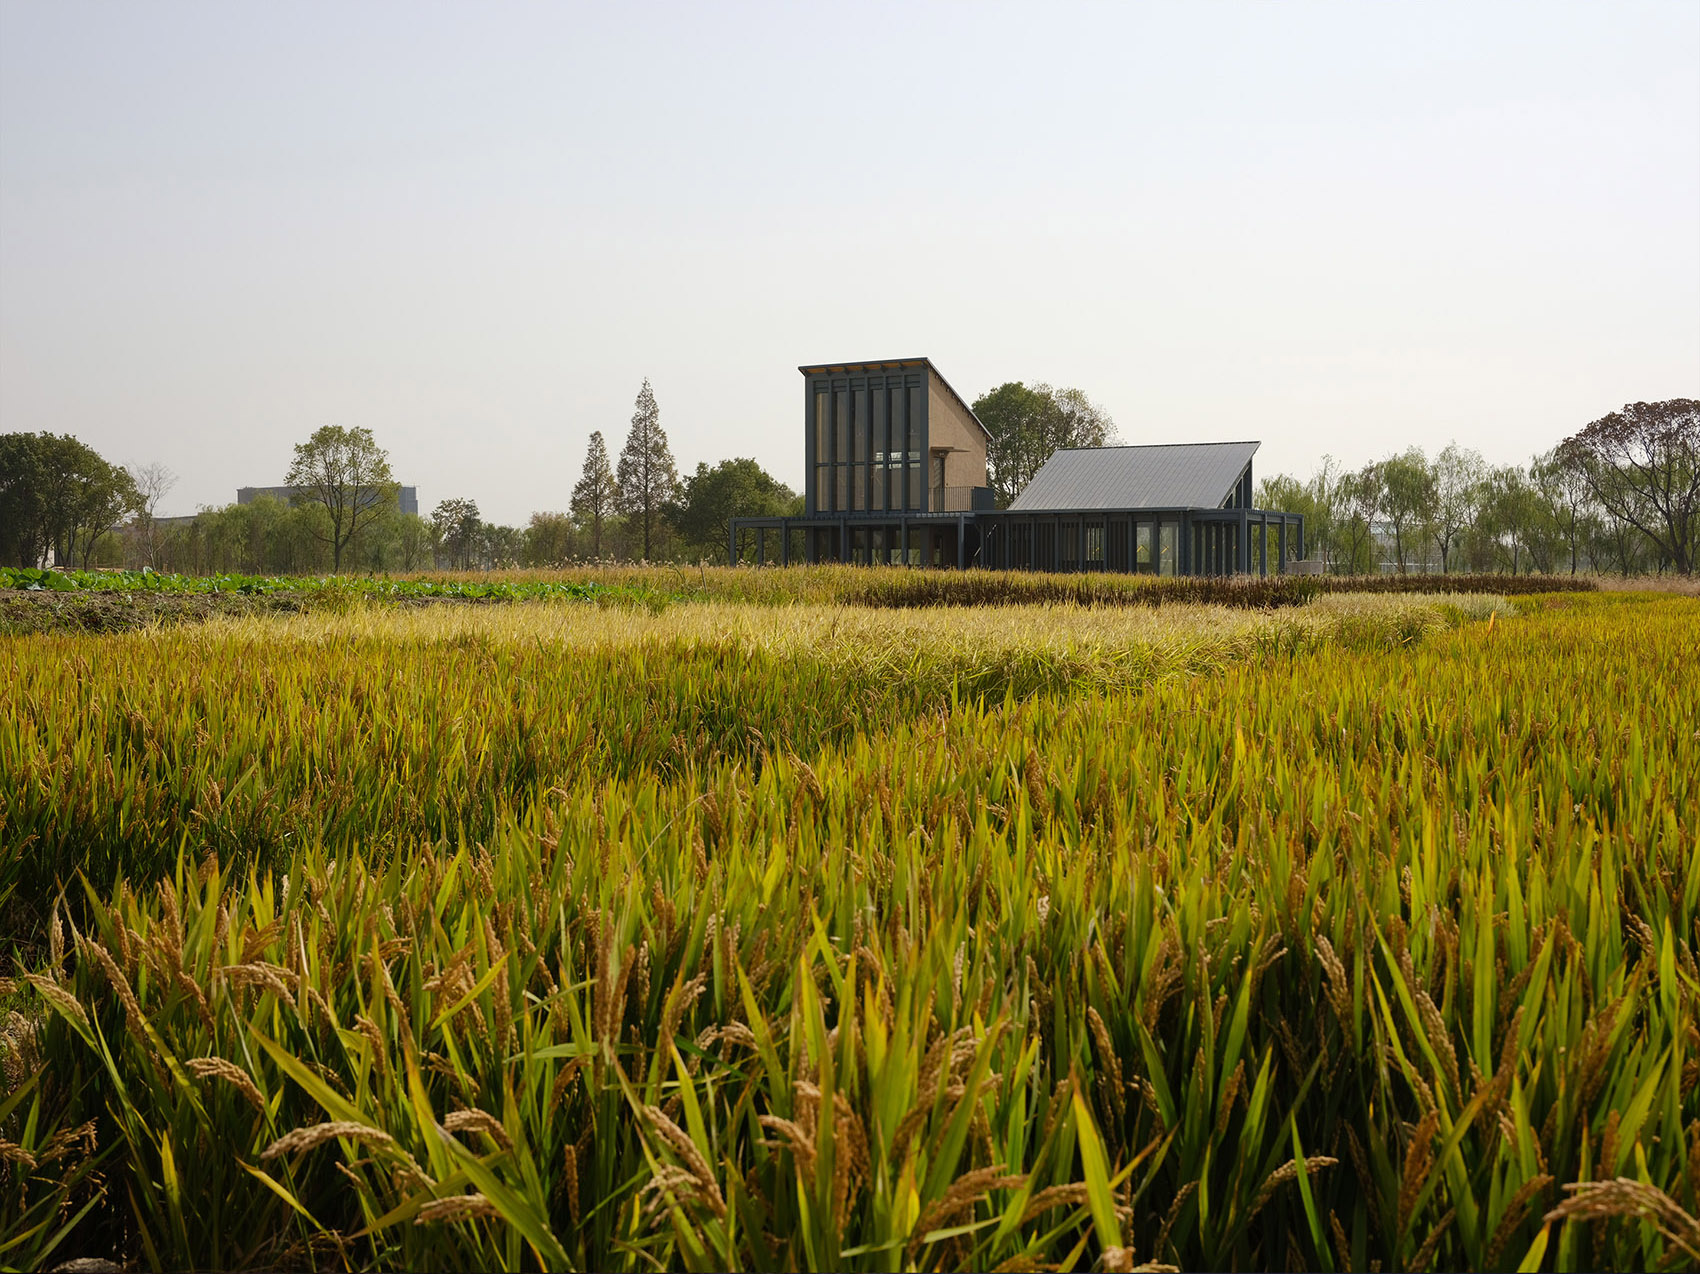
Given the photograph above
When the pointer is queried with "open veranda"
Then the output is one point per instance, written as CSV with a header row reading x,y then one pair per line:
x,y
792,919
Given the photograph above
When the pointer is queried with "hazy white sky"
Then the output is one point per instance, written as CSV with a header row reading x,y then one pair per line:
x,y
475,228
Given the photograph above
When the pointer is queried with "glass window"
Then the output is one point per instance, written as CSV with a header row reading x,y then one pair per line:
x,y
1095,544
1144,559
823,487
859,415
858,487
823,428
841,432
841,486
1167,539
914,479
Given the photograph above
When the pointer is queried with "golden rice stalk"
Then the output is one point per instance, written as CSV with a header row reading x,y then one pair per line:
x,y
196,996
1440,1039
1515,1213
1235,1081
678,1004
59,998
1342,1248
669,1185
1417,1160
1181,1196
1288,1171
132,1010
479,1121
571,1175
381,975
380,1055
731,1033
407,1177
708,1189
219,1068
457,1207
959,1200
62,1142
1112,1063
1425,1253
1601,1200
12,1152
1338,986
168,933
317,1134
273,977
798,1140
56,945
1069,1196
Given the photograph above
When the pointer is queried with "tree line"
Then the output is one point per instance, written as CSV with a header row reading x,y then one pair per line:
x,y
1622,495
637,508
61,501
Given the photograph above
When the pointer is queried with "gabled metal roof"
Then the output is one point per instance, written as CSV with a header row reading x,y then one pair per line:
x,y
1182,475
893,364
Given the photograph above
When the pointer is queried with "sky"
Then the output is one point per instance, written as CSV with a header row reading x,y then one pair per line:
x,y
1343,229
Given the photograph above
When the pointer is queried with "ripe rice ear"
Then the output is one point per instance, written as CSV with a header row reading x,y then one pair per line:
x,y
314,1135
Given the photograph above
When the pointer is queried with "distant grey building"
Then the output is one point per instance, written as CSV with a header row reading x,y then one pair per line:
x,y
408,496
896,472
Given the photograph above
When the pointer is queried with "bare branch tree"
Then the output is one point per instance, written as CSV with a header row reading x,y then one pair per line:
x,y
152,481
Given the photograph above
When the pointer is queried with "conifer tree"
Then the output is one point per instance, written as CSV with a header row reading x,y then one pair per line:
x,y
647,478
595,493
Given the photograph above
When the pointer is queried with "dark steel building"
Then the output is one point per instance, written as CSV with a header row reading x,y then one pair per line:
x,y
896,473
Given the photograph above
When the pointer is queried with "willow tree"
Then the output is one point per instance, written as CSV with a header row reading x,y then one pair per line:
x,y
1642,465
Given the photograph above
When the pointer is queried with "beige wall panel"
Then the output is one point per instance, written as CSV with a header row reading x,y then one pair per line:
x,y
950,425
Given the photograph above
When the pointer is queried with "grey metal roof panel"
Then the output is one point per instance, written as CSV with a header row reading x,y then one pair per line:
x,y
1184,475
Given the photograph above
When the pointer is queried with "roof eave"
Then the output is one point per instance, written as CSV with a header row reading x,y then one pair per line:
x,y
880,364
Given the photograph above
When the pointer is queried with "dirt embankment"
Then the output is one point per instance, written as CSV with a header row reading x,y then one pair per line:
x,y
115,612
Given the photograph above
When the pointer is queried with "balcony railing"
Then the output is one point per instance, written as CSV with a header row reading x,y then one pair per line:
x,y
959,499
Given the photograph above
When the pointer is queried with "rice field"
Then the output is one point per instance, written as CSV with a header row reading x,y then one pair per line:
x,y
766,928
